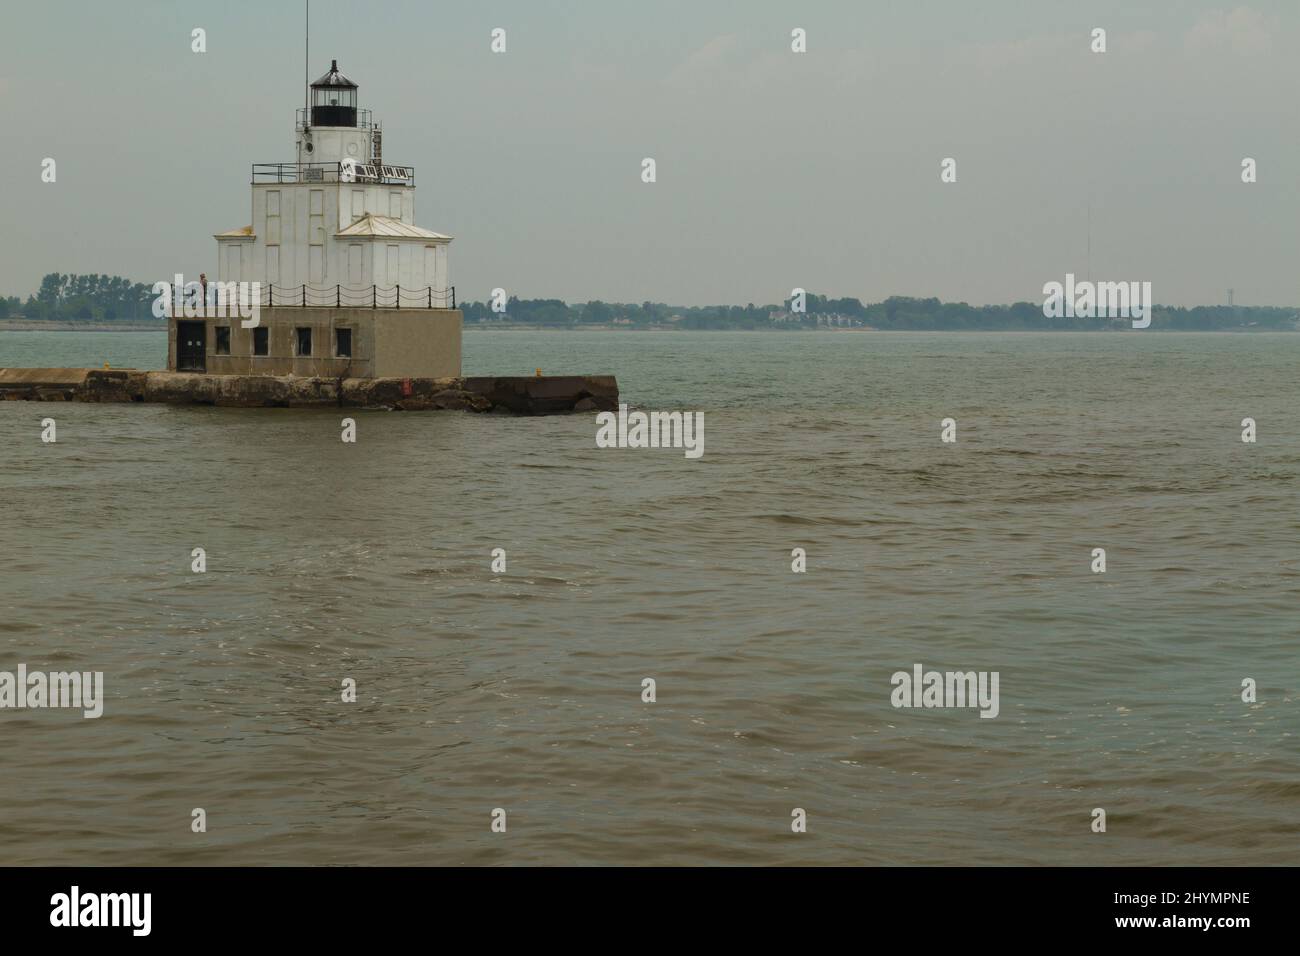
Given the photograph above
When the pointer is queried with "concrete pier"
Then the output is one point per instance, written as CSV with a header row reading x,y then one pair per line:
x,y
520,395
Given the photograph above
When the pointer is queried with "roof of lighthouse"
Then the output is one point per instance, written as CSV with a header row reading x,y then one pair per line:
x,y
335,78
372,225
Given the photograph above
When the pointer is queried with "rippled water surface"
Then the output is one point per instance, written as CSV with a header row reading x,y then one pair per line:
x,y
523,690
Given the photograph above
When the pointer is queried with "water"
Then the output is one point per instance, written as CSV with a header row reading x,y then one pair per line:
x,y
523,690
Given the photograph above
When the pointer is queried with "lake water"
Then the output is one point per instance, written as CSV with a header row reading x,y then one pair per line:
x,y
523,690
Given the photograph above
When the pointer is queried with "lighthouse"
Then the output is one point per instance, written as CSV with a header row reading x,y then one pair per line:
x,y
349,285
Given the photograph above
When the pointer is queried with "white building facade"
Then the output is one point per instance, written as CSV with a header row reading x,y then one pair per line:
x,y
337,226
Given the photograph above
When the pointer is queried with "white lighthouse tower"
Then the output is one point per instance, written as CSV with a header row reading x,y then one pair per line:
x,y
350,285
338,216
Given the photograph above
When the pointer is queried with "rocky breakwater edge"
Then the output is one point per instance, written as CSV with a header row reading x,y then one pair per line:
x,y
519,395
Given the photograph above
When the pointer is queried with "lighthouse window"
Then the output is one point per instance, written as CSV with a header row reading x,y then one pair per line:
x,y
261,341
333,97
223,340
304,341
343,343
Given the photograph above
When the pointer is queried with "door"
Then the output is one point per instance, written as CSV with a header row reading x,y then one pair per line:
x,y
191,346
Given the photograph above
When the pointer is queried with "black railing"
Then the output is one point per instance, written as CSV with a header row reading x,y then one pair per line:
x,y
384,173
357,297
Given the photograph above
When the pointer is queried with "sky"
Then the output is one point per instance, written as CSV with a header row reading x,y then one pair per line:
x,y
775,169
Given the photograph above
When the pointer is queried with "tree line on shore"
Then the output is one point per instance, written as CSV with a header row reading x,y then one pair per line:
x,y
83,298
102,298
895,313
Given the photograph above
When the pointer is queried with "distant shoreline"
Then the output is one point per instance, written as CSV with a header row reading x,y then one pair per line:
x,y
47,325
57,325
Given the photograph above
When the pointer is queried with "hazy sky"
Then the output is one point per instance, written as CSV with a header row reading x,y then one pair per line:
x,y
775,169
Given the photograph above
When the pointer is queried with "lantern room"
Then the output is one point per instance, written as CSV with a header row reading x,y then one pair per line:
x,y
334,99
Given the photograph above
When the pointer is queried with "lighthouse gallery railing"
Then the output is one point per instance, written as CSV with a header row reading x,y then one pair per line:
x,y
357,297
362,172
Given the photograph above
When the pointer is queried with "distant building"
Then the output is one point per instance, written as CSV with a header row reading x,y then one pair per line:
x,y
350,285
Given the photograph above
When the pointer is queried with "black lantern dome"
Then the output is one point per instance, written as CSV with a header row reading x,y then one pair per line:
x,y
334,99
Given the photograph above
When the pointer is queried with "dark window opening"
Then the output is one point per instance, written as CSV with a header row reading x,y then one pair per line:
x,y
343,343
223,340
261,341
304,341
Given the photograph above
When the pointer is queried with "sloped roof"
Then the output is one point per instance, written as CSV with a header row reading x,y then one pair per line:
x,y
243,231
335,78
387,226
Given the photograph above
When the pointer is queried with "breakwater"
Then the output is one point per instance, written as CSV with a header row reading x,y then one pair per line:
x,y
520,395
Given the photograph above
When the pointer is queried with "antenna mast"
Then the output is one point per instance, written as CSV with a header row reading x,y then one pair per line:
x,y
306,65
